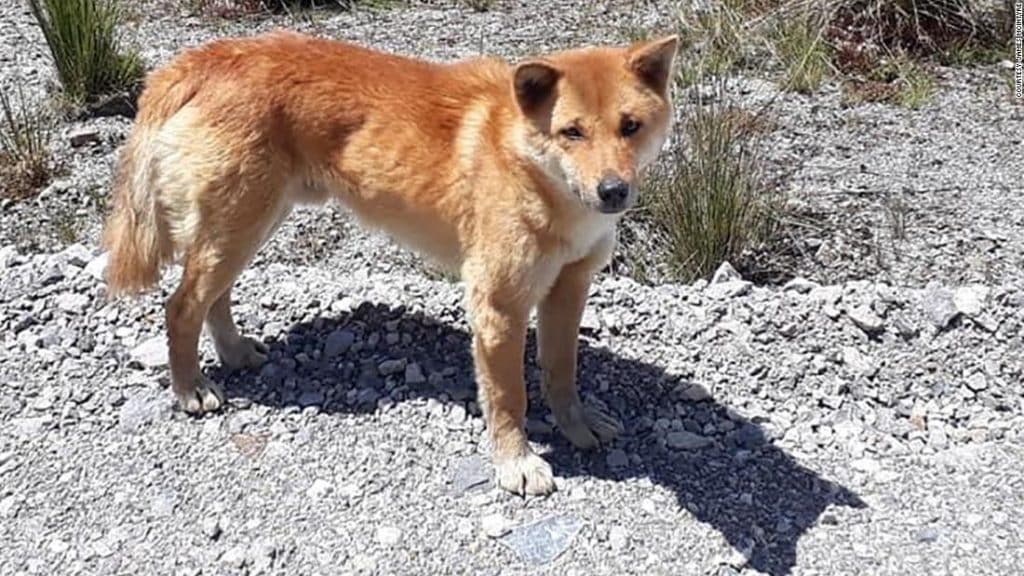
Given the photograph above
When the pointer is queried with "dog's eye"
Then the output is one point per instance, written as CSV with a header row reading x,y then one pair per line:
x,y
572,133
629,127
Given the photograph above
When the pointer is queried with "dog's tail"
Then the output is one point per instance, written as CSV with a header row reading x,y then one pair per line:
x,y
136,232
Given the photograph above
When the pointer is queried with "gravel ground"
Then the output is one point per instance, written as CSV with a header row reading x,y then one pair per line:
x,y
867,419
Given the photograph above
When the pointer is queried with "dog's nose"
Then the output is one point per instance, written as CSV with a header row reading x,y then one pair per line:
x,y
613,192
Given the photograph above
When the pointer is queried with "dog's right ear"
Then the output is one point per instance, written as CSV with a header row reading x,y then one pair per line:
x,y
534,85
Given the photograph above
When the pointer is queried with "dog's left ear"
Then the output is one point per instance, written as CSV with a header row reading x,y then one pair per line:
x,y
652,61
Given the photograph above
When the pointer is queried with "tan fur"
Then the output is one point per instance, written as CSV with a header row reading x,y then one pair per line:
x,y
472,163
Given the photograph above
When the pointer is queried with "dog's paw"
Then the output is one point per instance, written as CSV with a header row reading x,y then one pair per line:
x,y
526,474
586,426
205,396
245,353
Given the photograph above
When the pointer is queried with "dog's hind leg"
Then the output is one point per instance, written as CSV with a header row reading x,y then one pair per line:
x,y
237,351
226,238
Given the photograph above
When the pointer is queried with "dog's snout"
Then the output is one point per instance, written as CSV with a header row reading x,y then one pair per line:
x,y
613,193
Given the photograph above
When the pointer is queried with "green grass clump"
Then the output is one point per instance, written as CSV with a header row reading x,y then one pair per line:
x,y
801,49
83,40
712,203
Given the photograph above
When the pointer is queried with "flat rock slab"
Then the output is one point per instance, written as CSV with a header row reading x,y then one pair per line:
x,y
543,541
470,474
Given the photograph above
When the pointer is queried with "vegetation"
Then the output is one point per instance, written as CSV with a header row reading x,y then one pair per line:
x,y
87,53
25,134
711,202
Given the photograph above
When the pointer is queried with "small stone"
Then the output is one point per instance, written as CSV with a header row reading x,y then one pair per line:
x,y
730,289
311,398
969,300
83,136
494,525
696,393
858,362
8,256
542,542
211,527
617,459
725,273
152,353
590,322
939,306
866,465
827,294
414,374
72,302
977,381
800,285
143,408
684,440
236,556
866,319
389,367
389,536
338,342
77,255
319,489
97,267
470,473
618,538
927,535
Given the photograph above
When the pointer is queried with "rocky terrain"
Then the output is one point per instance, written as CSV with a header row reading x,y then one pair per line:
x,y
866,416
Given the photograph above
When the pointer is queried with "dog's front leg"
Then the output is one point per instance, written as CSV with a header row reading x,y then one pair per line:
x,y
558,322
499,318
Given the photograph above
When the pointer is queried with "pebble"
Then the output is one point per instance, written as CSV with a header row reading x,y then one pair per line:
x,y
725,273
97,267
969,300
151,353
618,538
542,542
494,525
338,342
82,136
413,374
866,319
684,440
977,381
617,459
696,393
939,306
389,536
72,302
389,367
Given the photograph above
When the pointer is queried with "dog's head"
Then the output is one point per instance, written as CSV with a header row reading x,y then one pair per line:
x,y
597,117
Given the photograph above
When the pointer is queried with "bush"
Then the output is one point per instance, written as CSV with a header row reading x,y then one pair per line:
x,y
82,37
25,134
801,48
953,31
711,202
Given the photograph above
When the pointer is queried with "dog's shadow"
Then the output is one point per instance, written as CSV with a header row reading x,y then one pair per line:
x,y
751,491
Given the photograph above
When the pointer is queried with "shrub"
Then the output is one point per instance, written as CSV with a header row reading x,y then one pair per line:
x,y
800,46
951,30
711,202
82,37
25,134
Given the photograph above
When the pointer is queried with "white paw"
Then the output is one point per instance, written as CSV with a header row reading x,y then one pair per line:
x,y
527,474
205,396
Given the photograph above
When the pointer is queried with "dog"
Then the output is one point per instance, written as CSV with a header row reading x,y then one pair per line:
x,y
514,175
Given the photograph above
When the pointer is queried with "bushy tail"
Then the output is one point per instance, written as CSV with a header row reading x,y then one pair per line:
x,y
136,233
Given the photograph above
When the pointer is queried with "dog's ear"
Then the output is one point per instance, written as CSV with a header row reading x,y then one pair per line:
x,y
534,85
652,61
